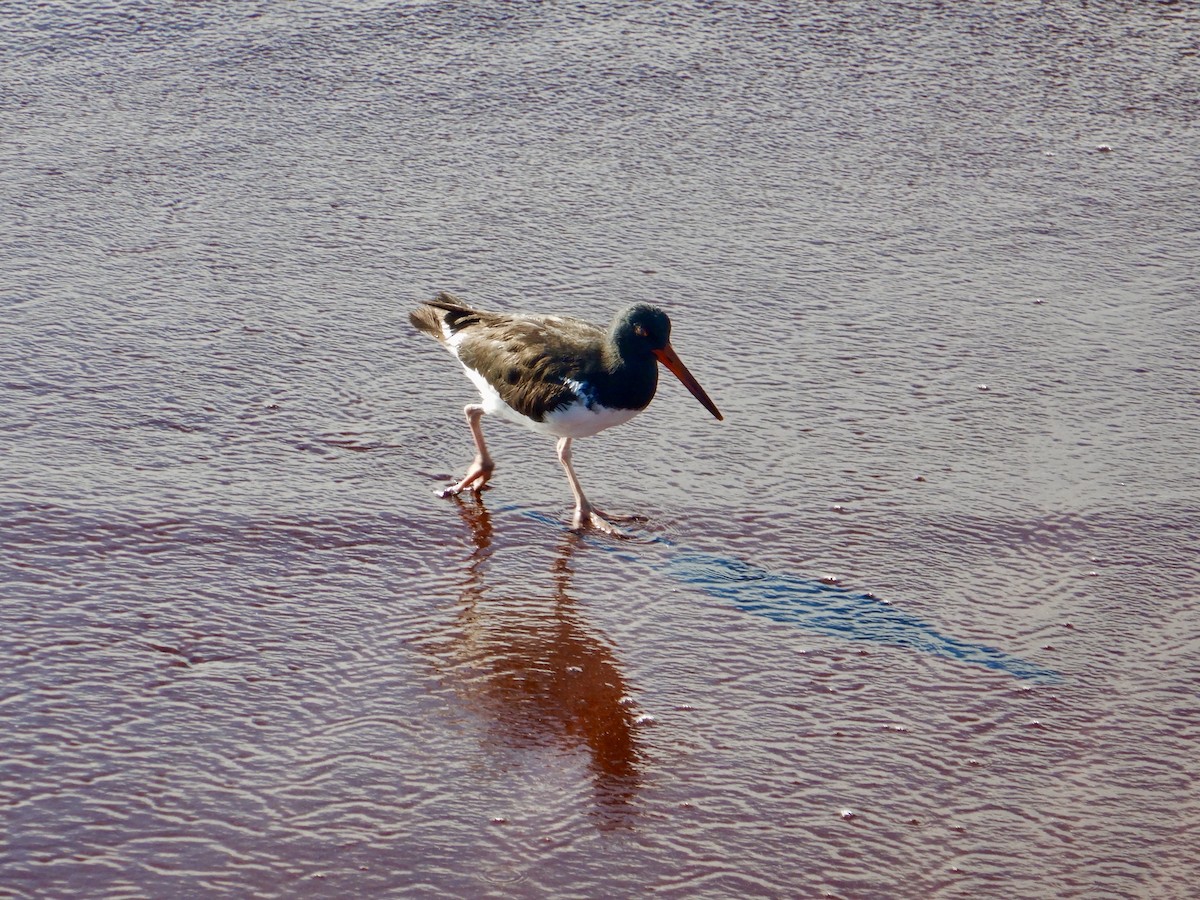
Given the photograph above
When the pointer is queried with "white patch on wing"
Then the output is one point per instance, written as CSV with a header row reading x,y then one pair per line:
x,y
584,392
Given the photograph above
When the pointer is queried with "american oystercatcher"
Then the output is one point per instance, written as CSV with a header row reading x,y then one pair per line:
x,y
556,375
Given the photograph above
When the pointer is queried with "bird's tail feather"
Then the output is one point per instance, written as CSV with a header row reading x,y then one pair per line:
x,y
446,309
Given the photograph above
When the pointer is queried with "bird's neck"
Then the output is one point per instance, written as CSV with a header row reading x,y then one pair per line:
x,y
629,382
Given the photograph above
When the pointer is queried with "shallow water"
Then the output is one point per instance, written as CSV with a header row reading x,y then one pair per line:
x,y
920,618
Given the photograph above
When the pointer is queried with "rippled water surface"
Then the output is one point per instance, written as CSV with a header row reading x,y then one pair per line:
x,y
920,618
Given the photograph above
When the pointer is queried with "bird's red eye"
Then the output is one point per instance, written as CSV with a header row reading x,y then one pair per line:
x,y
640,330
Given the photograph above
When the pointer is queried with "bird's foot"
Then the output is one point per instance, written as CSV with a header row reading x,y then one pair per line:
x,y
585,519
628,519
476,478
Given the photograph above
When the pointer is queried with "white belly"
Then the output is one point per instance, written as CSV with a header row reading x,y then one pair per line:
x,y
576,420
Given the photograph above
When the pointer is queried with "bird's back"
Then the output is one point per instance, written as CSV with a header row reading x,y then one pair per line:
x,y
535,363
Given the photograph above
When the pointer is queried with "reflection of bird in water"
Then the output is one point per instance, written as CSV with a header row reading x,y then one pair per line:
x,y
540,675
558,376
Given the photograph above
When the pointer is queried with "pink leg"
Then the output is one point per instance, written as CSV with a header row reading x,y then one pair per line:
x,y
481,467
586,516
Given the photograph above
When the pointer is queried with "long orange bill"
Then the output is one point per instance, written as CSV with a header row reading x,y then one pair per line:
x,y
668,358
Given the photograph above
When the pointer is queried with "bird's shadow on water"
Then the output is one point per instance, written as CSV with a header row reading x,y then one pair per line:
x,y
807,602
537,672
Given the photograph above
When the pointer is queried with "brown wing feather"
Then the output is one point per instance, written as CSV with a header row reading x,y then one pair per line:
x,y
526,358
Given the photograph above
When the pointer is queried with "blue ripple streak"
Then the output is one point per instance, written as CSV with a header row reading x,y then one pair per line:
x,y
814,604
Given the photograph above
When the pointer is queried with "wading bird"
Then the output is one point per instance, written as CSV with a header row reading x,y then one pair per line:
x,y
556,375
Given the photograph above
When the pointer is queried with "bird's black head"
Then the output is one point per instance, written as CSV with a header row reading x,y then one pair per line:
x,y
642,336
641,329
